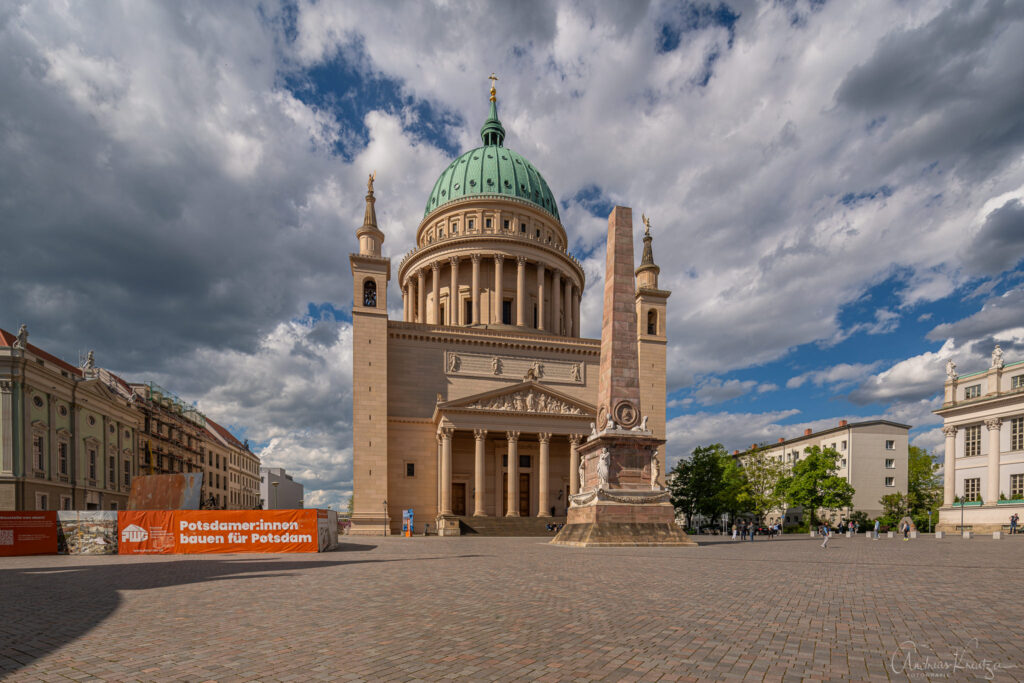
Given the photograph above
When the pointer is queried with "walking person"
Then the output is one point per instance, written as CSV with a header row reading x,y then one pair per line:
x,y
734,531
875,537
1013,523
825,533
906,531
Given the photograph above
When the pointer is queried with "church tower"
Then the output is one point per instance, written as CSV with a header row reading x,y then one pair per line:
x,y
371,273
651,305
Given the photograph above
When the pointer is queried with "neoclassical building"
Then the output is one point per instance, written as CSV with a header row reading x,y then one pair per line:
x,y
474,403
983,422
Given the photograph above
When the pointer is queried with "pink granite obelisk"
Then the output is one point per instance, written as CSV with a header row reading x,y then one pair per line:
x,y
621,500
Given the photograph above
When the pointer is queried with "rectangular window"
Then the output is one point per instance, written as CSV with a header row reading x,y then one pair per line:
x,y
487,223
524,461
111,472
1016,486
113,506
1017,381
890,445
505,225
1017,434
455,228
92,463
890,463
41,501
972,441
973,391
470,224
890,481
65,502
127,474
39,451
410,469
843,462
506,312
843,446
522,228
972,489
833,446
467,317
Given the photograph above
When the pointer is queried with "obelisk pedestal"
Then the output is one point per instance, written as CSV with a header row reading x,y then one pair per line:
x,y
622,501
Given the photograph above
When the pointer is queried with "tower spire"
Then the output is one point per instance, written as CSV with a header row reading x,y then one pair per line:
x,y
647,272
493,133
370,236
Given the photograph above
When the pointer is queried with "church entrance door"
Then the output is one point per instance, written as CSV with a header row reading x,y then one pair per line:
x,y
459,499
524,495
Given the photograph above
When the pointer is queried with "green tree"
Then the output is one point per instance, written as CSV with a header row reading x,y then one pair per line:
x,y
351,504
733,491
894,508
813,483
697,485
924,488
762,474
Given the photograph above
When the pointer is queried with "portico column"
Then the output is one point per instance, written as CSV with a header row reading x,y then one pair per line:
x,y
479,435
556,302
540,297
949,471
576,311
436,268
476,290
544,490
574,463
521,291
446,470
437,469
405,300
993,425
499,289
421,297
513,474
453,292
567,306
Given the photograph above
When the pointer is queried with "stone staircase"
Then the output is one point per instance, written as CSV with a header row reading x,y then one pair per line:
x,y
508,526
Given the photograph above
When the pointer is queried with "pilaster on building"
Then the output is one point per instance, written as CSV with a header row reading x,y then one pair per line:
x,y
983,425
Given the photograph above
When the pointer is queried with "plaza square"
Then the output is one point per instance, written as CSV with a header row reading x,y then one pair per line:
x,y
477,608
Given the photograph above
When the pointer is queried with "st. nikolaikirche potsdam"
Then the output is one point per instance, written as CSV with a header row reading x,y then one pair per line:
x,y
474,404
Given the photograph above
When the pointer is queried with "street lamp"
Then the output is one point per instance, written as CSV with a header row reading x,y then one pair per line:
x,y
385,516
275,484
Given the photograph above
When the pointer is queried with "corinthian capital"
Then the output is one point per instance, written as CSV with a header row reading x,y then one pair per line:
x,y
993,423
949,431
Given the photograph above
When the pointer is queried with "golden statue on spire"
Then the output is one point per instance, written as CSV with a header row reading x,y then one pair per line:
x,y
369,183
647,223
494,93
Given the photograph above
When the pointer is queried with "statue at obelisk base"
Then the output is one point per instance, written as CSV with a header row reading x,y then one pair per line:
x,y
622,501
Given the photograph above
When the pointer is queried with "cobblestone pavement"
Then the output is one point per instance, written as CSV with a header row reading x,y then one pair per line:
x,y
518,609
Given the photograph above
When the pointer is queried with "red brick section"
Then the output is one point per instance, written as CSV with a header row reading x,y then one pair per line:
x,y
619,379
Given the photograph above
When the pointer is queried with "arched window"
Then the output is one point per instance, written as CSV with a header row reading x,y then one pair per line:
x,y
370,293
652,322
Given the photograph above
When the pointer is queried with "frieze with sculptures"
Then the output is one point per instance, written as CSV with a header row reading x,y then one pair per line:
x,y
527,401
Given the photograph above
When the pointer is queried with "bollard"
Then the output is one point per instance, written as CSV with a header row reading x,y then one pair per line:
x,y
867,534
965,534
813,533
996,535
938,534
913,534
890,534
849,534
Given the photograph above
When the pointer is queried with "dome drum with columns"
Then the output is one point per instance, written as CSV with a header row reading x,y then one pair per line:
x,y
474,403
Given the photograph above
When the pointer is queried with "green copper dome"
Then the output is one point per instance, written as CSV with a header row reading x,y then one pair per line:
x,y
492,170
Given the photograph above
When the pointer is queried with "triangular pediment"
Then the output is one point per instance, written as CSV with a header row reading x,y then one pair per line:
x,y
526,397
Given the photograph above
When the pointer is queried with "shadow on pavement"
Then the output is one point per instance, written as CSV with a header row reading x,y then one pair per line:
x,y
45,608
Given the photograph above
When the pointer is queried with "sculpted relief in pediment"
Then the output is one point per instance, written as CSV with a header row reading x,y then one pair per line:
x,y
527,401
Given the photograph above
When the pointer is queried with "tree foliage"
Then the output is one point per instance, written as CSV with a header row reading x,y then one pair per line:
x,y
813,483
762,474
894,508
924,488
707,483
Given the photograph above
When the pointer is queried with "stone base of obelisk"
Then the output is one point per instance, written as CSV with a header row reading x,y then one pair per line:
x,y
627,508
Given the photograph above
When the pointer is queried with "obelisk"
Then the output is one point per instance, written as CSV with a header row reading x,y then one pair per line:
x,y
621,500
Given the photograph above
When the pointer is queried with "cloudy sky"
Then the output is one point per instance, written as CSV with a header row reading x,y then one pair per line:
x,y
836,191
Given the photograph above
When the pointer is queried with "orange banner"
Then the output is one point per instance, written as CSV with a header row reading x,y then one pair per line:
x,y
28,533
217,531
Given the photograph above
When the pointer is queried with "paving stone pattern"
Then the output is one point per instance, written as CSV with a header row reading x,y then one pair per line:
x,y
482,609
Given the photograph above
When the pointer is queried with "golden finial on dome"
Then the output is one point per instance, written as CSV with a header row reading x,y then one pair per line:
x,y
494,93
369,183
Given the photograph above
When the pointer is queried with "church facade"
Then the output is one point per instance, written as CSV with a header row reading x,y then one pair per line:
x,y
475,402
